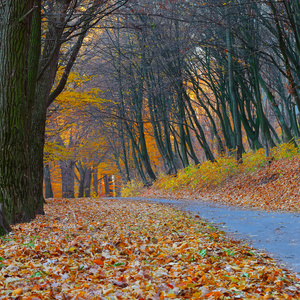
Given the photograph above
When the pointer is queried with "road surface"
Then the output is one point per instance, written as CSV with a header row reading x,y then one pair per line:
x,y
276,233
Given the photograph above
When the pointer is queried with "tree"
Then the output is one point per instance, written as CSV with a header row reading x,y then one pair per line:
x,y
26,81
68,23
19,49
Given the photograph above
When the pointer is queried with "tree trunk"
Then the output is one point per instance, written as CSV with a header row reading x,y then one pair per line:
x,y
67,178
81,171
202,139
233,98
286,130
16,196
36,138
138,166
47,179
47,72
100,185
87,183
4,226
108,191
162,145
95,181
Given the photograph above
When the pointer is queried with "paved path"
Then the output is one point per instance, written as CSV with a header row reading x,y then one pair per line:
x,y
274,232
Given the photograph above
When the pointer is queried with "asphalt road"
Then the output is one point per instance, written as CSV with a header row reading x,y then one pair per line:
x,y
273,232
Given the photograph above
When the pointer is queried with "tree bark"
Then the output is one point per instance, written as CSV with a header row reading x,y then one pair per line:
x,y
95,181
67,178
108,191
232,91
47,72
87,183
81,171
47,179
16,187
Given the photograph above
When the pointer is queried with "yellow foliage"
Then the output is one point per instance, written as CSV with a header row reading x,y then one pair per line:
x,y
210,174
204,175
132,188
253,160
108,167
54,152
284,151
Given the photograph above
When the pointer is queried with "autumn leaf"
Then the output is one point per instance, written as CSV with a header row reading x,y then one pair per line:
x,y
98,262
117,256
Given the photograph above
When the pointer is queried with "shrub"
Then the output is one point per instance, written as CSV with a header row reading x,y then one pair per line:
x,y
213,173
285,151
132,188
210,174
253,160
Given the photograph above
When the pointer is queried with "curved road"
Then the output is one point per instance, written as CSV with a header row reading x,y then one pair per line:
x,y
273,232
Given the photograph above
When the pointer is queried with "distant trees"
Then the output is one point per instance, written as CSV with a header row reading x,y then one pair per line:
x,y
68,23
30,55
76,146
184,81
209,77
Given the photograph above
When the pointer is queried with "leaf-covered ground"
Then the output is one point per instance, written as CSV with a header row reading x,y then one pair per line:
x,y
272,187
108,249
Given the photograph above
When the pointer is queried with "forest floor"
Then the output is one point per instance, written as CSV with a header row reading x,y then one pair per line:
x,y
123,249
271,188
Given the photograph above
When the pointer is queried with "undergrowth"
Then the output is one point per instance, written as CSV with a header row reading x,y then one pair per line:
x,y
210,174
132,188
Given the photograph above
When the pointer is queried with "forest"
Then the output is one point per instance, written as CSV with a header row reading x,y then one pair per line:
x,y
162,85
118,91
174,99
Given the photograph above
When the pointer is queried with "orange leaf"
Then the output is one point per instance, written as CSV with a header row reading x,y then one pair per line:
x,y
36,288
17,292
99,261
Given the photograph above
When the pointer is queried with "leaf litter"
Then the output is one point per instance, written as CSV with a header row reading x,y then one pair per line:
x,y
110,249
274,187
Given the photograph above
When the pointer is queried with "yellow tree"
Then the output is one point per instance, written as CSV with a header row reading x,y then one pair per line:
x,y
75,141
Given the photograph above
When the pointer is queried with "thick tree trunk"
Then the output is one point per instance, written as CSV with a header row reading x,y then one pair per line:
x,y
16,196
47,72
36,153
81,188
4,226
